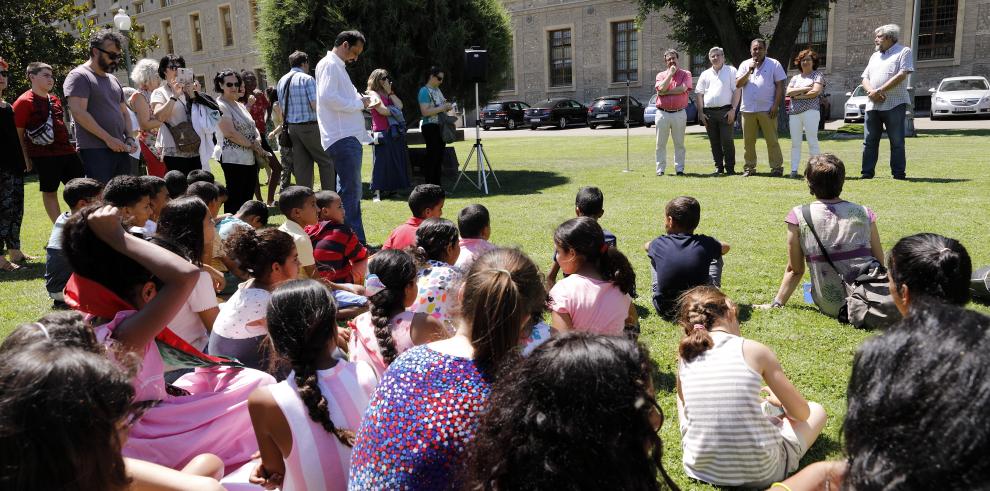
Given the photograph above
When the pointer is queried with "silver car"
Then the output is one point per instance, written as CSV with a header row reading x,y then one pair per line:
x,y
960,96
855,108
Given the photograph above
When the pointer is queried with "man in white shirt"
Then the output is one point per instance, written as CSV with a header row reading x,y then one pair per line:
x,y
884,80
339,111
762,82
719,98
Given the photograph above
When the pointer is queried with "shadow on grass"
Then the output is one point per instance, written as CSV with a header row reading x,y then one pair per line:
x,y
644,312
955,132
929,180
514,182
744,312
27,272
664,381
824,446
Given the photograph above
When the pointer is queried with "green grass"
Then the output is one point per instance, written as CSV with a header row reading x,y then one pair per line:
x,y
539,176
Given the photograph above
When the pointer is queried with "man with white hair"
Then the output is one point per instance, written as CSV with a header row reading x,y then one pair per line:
x,y
673,86
717,103
884,83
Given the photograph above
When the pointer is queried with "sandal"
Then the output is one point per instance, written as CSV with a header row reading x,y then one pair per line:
x,y
6,265
21,258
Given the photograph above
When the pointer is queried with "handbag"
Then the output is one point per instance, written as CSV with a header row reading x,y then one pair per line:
x,y
44,134
183,134
283,138
448,124
868,301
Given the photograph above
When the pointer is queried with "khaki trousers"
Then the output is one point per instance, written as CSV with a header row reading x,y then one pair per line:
x,y
753,122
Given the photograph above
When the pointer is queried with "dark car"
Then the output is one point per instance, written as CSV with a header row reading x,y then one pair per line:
x,y
611,110
508,114
650,115
555,112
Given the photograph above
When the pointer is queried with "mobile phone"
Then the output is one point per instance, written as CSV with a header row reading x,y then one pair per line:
x,y
185,75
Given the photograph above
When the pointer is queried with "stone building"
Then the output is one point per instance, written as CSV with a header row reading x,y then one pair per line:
x,y
587,48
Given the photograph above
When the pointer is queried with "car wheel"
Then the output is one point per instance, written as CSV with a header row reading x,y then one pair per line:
x,y
562,123
532,126
511,124
847,120
649,125
486,128
592,126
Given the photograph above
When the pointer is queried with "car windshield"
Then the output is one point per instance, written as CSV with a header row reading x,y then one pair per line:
x,y
606,102
859,92
494,106
546,104
957,85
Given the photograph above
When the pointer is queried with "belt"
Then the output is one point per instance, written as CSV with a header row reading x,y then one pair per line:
x,y
670,110
307,123
719,108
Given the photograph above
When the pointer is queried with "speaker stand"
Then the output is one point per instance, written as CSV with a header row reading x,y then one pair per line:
x,y
484,165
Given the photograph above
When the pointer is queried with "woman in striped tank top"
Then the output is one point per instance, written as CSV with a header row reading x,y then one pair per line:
x,y
305,424
728,439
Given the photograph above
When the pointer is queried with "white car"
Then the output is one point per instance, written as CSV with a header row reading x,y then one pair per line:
x,y
960,96
855,108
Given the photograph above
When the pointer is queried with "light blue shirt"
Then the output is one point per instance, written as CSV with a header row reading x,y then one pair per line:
x,y
758,93
299,109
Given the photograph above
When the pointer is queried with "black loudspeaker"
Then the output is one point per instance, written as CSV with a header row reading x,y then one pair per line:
x,y
475,65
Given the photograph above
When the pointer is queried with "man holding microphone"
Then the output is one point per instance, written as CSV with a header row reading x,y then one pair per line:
x,y
762,82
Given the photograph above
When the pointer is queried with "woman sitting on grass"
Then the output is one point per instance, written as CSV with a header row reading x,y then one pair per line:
x,y
727,438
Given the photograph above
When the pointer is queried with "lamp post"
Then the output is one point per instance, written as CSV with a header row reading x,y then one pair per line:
x,y
123,23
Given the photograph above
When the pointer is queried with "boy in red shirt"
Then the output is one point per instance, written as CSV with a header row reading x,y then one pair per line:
x,y
425,201
341,259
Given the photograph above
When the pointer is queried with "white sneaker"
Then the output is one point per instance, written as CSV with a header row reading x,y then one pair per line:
x,y
377,197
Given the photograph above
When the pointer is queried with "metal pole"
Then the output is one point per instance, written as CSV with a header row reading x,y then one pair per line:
x,y
909,114
127,56
627,125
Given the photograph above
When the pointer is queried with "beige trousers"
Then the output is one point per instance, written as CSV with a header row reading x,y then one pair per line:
x,y
753,122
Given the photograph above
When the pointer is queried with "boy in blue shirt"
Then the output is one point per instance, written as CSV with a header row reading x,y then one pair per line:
x,y
681,259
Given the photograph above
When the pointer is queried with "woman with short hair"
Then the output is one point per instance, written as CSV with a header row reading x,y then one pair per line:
x,y
171,104
145,77
848,231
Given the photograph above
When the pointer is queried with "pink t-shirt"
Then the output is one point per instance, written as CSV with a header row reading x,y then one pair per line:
x,y
674,102
595,306
379,122
470,249
363,345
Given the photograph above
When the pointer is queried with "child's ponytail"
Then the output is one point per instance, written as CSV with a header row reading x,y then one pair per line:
x,y
433,238
585,236
614,266
395,270
699,309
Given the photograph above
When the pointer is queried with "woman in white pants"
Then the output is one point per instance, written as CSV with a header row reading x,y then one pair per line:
x,y
805,91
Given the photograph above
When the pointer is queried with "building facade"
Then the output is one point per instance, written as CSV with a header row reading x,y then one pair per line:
x,y
584,49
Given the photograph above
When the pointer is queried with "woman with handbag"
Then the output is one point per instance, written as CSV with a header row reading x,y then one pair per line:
x,y
847,230
171,104
11,183
390,162
432,105
44,138
241,146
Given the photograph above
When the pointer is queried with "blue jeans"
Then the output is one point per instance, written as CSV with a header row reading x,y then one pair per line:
x,y
346,155
875,122
104,164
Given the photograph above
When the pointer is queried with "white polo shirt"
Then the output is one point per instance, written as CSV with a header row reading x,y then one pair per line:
x,y
717,87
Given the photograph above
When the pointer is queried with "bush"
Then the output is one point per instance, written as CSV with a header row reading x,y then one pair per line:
x,y
405,37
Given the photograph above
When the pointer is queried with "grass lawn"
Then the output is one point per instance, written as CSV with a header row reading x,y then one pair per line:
x,y
948,189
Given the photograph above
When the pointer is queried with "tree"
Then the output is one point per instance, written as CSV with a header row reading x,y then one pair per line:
x,y
138,46
700,24
405,37
35,32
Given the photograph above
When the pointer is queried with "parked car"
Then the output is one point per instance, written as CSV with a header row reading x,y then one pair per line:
x,y
960,96
824,108
650,114
611,110
555,112
508,114
855,109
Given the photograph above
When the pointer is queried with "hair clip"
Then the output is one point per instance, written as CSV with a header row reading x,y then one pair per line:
x,y
372,285
43,329
699,326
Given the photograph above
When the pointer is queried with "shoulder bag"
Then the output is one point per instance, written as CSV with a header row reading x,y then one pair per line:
x,y
44,134
183,134
448,123
868,301
283,138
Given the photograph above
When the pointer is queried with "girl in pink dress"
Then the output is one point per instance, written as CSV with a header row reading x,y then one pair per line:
x,y
388,328
306,423
204,411
595,296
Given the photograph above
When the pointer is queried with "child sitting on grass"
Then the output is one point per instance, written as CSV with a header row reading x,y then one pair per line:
x,y
341,259
590,203
133,198
77,193
425,201
159,196
435,252
595,296
298,204
200,175
175,182
306,424
474,224
252,214
223,269
681,259
389,329
728,438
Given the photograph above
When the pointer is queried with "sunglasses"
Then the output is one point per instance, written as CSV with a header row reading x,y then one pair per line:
x,y
233,84
110,54
439,78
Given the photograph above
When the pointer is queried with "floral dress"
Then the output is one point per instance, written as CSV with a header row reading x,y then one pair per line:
x,y
435,295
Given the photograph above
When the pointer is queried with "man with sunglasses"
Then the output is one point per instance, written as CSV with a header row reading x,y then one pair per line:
x,y
340,112
96,100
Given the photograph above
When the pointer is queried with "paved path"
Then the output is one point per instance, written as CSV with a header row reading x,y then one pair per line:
x,y
584,131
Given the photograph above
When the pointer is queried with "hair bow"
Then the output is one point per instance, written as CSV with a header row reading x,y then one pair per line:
x,y
372,285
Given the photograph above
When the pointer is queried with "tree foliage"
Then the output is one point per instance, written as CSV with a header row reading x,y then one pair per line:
x,y
34,32
697,25
405,37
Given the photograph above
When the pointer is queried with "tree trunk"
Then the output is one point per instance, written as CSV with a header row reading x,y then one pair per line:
x,y
792,15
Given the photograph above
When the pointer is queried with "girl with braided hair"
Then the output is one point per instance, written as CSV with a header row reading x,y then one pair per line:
x,y
305,424
729,438
388,329
436,250
426,410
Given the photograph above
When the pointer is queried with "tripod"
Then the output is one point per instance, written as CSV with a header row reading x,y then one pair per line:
x,y
478,151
